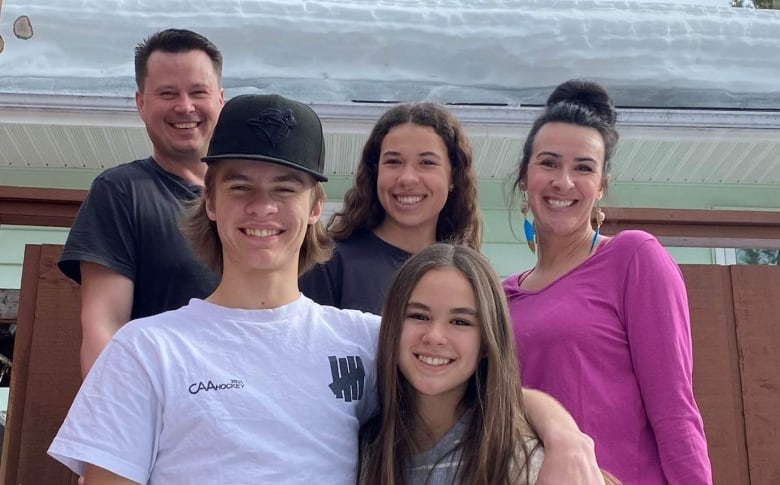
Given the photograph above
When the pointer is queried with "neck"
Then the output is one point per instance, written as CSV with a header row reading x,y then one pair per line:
x,y
435,420
255,290
191,169
564,253
412,241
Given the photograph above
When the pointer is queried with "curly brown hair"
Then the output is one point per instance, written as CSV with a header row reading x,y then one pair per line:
x,y
459,220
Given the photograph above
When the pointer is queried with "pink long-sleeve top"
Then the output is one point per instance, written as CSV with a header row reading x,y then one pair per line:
x,y
611,341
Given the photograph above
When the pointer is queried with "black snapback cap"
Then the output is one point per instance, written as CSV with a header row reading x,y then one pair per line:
x,y
269,128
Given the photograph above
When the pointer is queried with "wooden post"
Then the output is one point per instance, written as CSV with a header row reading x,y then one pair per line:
x,y
46,373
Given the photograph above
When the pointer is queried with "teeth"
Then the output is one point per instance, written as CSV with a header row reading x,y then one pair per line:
x,y
187,125
433,360
411,199
560,203
262,232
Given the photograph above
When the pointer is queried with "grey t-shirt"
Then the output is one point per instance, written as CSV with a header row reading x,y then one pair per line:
x,y
439,464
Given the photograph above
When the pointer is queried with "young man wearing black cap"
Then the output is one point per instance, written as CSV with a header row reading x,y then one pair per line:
x,y
256,383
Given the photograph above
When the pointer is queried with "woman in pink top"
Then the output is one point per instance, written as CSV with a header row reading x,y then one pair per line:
x,y
602,323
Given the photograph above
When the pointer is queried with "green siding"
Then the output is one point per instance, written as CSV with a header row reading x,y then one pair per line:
x,y
12,242
492,192
62,178
507,252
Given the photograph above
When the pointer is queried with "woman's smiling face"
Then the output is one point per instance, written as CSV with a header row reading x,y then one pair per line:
x,y
564,178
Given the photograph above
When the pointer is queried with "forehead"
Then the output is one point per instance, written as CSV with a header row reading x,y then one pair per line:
x,y
410,134
259,171
567,138
446,286
189,67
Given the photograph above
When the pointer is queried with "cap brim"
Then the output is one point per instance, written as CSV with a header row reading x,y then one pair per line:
x,y
240,156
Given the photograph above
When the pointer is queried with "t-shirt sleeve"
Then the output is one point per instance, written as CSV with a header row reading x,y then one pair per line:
x,y
114,421
103,231
658,327
322,282
370,405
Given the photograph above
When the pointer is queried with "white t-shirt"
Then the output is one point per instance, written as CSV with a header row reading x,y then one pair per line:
x,y
208,394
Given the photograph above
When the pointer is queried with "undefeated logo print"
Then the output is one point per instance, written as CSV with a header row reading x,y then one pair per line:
x,y
349,377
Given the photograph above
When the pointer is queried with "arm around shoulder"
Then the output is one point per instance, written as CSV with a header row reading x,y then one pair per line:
x,y
569,454
106,305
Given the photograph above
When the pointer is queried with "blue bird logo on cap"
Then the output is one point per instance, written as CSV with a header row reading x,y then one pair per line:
x,y
274,124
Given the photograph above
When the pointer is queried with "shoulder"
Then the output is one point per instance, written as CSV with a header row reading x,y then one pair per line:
x,y
510,282
639,254
119,181
355,243
348,316
511,285
341,250
128,172
366,242
351,320
633,237
155,327
630,243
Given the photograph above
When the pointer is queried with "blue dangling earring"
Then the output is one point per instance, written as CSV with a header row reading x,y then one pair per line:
x,y
528,227
599,221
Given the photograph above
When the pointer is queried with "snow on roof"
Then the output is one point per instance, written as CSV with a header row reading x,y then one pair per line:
x,y
698,54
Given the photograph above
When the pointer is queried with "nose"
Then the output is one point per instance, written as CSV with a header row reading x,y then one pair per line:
x,y
435,334
563,180
408,174
261,204
184,104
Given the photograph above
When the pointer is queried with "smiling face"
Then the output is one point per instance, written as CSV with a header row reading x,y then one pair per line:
x,y
413,180
440,342
564,178
180,104
262,211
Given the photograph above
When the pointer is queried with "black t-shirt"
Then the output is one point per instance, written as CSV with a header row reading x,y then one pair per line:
x,y
358,274
129,224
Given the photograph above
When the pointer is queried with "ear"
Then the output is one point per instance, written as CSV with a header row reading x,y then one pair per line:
x,y
139,103
316,211
604,183
211,212
221,97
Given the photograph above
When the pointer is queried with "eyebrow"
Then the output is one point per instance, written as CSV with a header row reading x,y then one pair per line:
x,y
457,310
196,85
290,177
558,155
232,176
423,154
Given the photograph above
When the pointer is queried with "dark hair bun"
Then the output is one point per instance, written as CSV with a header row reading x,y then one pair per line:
x,y
587,94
